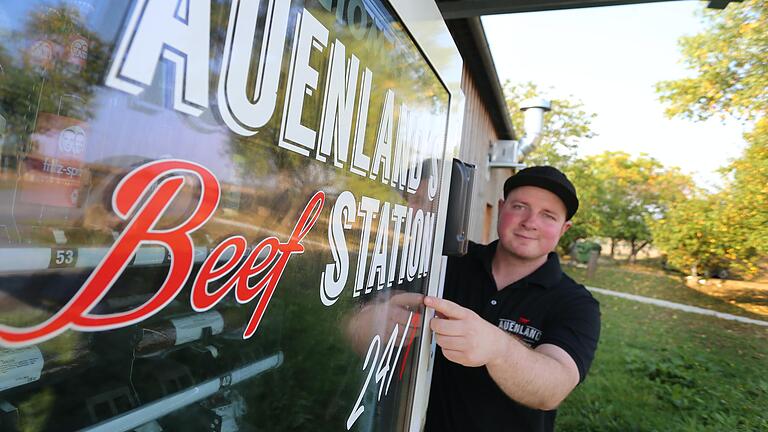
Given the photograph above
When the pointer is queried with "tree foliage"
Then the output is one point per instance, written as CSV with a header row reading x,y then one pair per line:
x,y
620,195
749,188
729,65
27,87
565,127
692,235
726,230
729,62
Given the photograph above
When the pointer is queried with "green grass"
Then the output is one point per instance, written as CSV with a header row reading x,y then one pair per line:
x,y
658,369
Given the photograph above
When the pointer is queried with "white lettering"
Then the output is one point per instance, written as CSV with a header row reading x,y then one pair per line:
x,y
338,105
383,153
177,31
416,139
360,162
433,179
378,270
426,243
369,207
334,278
406,240
414,245
401,154
302,78
398,215
245,112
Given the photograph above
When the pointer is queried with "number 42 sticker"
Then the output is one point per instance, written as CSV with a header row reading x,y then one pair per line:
x,y
385,366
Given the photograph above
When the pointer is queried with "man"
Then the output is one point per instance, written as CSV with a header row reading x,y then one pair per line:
x,y
516,334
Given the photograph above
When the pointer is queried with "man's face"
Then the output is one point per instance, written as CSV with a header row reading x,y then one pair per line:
x,y
531,221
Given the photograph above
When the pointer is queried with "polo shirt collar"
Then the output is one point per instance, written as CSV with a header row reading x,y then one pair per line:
x,y
547,275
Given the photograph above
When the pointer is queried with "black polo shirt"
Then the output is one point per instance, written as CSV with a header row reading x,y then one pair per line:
x,y
545,307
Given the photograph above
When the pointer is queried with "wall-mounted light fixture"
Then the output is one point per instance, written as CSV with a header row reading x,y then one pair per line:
x,y
510,153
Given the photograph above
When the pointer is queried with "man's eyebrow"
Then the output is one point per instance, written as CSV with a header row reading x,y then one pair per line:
x,y
554,213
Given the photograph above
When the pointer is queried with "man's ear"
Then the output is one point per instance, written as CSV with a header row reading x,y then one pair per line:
x,y
566,226
498,212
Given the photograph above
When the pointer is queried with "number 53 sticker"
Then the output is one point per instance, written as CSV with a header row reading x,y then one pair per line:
x,y
63,257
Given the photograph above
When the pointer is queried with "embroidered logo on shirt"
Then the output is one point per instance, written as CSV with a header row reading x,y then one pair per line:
x,y
520,329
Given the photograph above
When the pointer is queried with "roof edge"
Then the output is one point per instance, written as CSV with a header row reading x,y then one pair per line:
x,y
481,66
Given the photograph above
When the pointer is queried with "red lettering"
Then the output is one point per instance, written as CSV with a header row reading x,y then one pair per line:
x,y
134,199
140,230
268,284
277,256
200,298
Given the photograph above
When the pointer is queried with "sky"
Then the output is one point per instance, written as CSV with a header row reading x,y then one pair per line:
x,y
610,58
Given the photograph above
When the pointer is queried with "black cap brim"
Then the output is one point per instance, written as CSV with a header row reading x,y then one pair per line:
x,y
566,196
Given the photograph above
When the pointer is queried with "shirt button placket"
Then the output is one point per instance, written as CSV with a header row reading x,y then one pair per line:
x,y
491,311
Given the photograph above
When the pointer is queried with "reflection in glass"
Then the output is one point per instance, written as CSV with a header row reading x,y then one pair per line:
x,y
67,141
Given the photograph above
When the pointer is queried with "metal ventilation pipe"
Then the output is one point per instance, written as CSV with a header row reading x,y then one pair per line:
x,y
509,153
534,110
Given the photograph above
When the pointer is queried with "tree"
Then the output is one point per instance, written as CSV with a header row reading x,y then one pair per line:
x,y
744,205
750,188
688,235
729,63
730,79
700,234
619,196
30,85
566,126
724,230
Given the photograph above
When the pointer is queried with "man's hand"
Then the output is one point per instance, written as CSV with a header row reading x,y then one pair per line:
x,y
539,378
465,337
381,317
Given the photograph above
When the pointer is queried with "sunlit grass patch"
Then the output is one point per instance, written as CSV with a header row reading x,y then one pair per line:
x,y
658,369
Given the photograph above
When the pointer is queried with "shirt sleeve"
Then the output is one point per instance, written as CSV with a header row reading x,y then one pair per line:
x,y
575,327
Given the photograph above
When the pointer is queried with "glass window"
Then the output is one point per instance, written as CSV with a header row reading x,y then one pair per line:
x,y
213,216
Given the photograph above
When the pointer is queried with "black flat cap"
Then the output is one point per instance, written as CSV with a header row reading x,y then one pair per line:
x,y
549,178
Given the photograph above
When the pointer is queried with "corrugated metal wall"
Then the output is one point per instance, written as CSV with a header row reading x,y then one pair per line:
x,y
477,136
